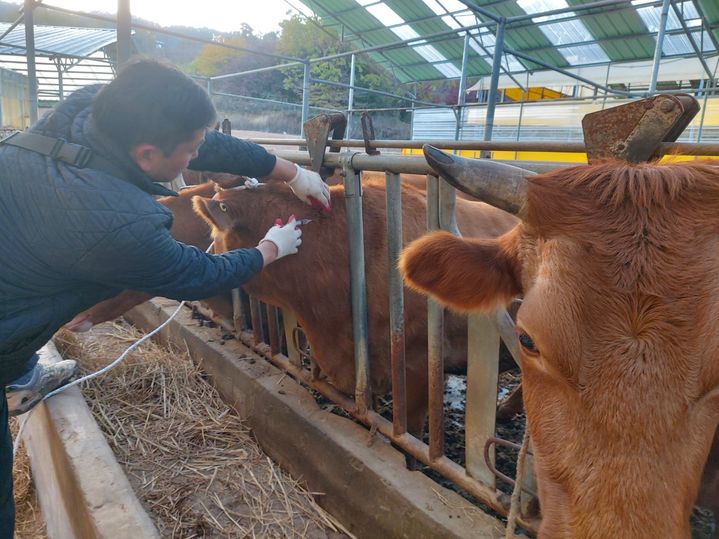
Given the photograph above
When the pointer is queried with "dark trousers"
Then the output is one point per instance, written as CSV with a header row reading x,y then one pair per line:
x,y
7,503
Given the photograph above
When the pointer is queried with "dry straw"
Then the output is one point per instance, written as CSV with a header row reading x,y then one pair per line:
x,y
191,460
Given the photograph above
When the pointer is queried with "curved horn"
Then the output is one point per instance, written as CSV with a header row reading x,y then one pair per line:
x,y
498,184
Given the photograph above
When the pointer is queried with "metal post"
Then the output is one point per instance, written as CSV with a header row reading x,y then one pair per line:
x,y
658,49
396,304
305,98
28,10
492,98
61,92
351,97
462,88
358,286
435,337
124,30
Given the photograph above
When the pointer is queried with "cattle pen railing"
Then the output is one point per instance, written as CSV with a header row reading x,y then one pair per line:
x,y
478,476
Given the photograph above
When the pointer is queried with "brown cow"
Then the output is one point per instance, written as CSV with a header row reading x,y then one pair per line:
x,y
619,266
314,284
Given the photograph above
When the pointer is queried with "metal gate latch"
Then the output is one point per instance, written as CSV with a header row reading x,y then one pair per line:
x,y
634,132
317,130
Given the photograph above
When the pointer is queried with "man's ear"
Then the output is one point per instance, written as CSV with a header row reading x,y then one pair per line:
x,y
145,156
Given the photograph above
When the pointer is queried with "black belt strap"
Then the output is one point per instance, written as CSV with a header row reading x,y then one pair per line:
x,y
59,149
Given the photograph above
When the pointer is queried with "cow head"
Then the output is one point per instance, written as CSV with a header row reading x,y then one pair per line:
x,y
619,268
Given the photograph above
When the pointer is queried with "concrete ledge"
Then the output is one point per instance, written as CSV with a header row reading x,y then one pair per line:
x,y
362,479
82,490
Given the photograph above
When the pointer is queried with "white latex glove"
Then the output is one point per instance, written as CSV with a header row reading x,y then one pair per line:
x,y
287,237
309,188
252,183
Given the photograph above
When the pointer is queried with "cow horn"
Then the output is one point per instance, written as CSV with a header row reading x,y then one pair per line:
x,y
498,184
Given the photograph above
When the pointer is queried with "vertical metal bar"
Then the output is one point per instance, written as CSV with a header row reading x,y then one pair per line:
x,y
711,87
658,49
525,97
273,324
606,86
256,315
290,323
529,480
61,92
239,320
492,98
358,285
435,333
28,11
481,406
305,98
351,97
461,98
124,31
209,86
396,304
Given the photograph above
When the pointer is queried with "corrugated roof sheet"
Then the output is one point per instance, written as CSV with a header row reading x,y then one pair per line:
x,y
57,40
621,33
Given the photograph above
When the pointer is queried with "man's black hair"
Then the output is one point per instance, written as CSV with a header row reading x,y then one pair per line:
x,y
151,102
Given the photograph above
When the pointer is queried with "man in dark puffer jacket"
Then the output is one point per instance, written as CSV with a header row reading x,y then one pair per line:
x,y
71,237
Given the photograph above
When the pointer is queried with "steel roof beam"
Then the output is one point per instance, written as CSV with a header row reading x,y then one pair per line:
x,y
690,37
169,33
570,74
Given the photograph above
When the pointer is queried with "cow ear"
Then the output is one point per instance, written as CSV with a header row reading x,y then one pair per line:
x,y
464,274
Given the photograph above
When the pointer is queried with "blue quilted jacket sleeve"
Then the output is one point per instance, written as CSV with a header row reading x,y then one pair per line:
x,y
142,255
223,153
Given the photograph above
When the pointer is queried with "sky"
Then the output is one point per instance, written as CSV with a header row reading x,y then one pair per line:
x,y
223,15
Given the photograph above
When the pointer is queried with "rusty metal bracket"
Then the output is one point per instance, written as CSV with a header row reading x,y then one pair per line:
x,y
635,131
317,131
368,133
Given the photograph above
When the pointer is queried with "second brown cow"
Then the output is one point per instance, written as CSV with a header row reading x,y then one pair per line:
x,y
314,285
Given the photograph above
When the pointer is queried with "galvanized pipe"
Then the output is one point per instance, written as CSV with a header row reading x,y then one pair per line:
x,y
124,31
358,285
412,164
496,65
665,148
658,48
28,12
396,305
305,97
462,88
60,88
435,333
351,96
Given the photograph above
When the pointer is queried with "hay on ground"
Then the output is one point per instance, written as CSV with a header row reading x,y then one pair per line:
x,y
191,460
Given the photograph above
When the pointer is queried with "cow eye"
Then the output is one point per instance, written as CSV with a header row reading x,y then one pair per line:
x,y
527,343
222,206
